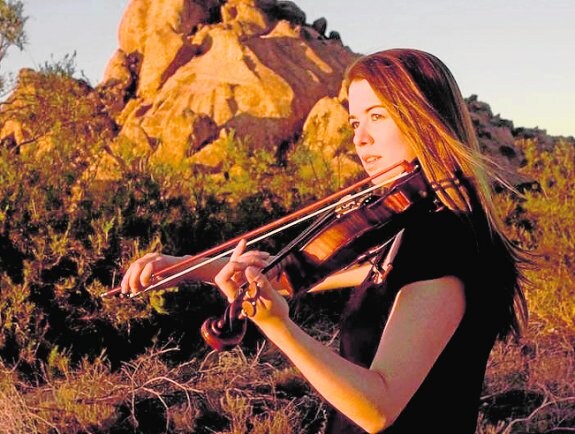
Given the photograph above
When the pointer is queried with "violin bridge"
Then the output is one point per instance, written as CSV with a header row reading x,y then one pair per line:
x,y
346,207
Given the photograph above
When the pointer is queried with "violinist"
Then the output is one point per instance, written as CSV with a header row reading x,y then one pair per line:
x,y
427,309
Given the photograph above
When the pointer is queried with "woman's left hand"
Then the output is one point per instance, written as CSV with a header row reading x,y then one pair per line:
x,y
269,305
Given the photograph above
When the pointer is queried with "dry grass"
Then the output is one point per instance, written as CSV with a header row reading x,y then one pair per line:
x,y
16,416
224,392
530,388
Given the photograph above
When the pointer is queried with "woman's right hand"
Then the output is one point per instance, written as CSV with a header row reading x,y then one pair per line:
x,y
139,274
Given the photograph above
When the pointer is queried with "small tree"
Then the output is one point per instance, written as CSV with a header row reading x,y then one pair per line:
x,y
12,23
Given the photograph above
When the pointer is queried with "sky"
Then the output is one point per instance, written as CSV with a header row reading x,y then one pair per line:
x,y
518,56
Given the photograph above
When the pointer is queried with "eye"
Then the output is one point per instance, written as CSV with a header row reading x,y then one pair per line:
x,y
377,116
354,124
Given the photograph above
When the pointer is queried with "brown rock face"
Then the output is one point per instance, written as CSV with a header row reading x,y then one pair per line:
x,y
187,72
157,30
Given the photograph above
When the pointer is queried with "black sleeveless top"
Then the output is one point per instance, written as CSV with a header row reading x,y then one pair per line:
x,y
433,245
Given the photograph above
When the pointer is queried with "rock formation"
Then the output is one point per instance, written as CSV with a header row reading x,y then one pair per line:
x,y
189,73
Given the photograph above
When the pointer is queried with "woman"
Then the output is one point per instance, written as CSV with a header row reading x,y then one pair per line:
x,y
416,336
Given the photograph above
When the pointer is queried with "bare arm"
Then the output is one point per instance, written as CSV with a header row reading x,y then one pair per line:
x,y
343,279
356,274
140,272
423,320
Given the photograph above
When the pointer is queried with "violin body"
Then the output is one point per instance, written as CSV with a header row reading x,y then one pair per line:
x,y
352,232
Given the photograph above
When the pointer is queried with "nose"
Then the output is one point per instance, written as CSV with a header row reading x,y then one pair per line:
x,y
361,136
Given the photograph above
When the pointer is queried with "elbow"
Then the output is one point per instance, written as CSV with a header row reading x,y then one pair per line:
x,y
376,410
377,422
383,412
377,425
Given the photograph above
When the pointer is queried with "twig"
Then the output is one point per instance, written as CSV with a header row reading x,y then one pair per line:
x,y
546,403
159,396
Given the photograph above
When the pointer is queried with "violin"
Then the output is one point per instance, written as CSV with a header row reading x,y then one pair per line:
x,y
346,232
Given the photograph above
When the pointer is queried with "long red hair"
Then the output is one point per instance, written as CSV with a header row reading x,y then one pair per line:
x,y
424,100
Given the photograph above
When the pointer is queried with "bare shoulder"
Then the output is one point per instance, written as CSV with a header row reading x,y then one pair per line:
x,y
425,315
442,293
434,305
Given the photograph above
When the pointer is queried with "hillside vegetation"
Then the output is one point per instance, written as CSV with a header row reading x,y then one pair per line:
x,y
72,362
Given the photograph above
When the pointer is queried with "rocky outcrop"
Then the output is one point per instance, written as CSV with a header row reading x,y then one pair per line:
x,y
189,74
495,134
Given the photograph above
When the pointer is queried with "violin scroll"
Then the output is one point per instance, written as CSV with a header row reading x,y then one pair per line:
x,y
225,333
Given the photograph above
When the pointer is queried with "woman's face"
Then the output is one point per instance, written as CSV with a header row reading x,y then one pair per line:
x,y
377,139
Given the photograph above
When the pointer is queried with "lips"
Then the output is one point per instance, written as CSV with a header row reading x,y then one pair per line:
x,y
369,161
